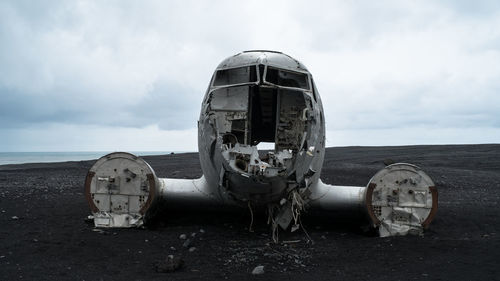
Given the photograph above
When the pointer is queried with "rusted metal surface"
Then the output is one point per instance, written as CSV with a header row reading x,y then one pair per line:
x,y
401,199
88,182
434,209
152,193
369,206
120,188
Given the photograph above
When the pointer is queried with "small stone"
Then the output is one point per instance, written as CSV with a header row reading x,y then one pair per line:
x,y
258,270
202,230
146,240
192,249
182,236
388,162
15,218
100,231
187,243
193,234
170,264
173,248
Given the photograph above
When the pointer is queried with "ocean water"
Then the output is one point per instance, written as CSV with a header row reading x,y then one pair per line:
x,y
45,157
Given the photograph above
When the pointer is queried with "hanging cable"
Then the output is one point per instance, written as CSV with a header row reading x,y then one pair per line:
x,y
250,228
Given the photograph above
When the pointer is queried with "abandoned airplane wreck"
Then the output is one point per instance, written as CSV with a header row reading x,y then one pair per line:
x,y
258,97
254,99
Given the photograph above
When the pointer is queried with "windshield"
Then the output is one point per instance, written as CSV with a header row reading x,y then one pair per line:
x,y
285,78
235,76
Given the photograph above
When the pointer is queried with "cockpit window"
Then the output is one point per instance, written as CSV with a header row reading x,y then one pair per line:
x,y
287,78
235,76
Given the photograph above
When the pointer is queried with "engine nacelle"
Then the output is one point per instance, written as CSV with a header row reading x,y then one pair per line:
x,y
120,188
401,199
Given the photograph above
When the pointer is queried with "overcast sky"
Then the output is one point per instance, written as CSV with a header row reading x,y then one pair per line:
x,y
130,75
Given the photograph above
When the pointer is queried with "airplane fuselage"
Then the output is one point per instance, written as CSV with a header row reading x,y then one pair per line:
x,y
261,97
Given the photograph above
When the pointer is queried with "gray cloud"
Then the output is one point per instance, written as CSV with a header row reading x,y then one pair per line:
x,y
378,65
172,106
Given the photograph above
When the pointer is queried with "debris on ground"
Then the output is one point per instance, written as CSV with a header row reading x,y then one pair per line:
x,y
170,264
187,243
258,270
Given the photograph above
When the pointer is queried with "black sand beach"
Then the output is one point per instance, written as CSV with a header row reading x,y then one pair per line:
x,y
44,236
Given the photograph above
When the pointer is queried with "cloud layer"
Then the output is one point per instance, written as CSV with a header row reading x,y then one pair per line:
x,y
384,67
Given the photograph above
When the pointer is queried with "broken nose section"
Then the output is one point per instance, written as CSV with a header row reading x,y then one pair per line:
x,y
120,188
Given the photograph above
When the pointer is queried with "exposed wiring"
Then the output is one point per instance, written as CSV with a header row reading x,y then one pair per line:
x,y
250,228
305,231
271,220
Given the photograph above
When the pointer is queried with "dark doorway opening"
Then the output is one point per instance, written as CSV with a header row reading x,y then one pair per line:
x,y
263,110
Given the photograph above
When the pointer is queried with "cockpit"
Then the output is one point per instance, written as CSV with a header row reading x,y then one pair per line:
x,y
261,74
261,103
258,98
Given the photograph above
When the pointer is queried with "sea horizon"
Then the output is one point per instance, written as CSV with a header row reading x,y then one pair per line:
x,y
24,157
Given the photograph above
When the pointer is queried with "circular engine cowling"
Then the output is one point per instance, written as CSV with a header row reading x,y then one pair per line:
x,y
120,187
401,199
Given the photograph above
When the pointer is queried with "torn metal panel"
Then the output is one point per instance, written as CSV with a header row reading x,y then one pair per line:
x,y
107,219
285,216
246,159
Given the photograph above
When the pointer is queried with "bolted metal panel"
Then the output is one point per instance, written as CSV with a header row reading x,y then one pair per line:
x,y
119,188
401,199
